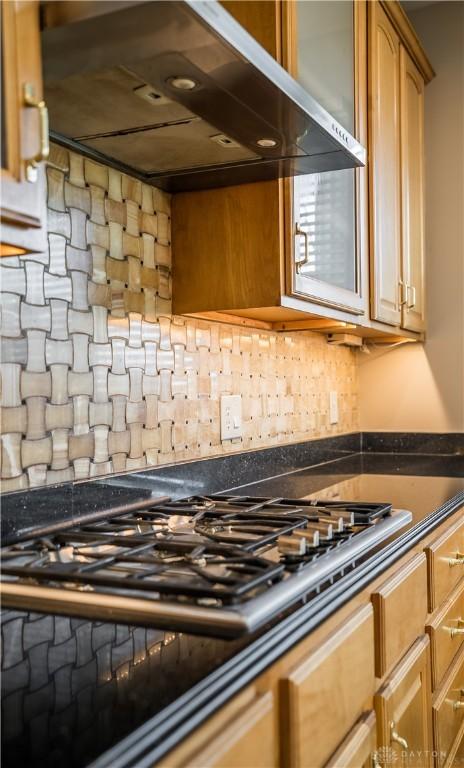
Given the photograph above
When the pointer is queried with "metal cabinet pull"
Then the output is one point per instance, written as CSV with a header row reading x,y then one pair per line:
x,y
304,262
459,704
402,291
456,631
396,737
411,303
44,151
458,559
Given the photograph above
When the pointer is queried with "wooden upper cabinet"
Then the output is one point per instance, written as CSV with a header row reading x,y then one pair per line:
x,y
293,253
384,165
239,250
328,42
227,244
396,159
412,192
403,709
327,216
24,130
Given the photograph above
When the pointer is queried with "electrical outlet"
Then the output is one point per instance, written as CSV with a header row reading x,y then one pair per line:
x,y
231,416
333,407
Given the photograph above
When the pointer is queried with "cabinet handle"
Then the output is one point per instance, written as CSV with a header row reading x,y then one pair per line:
x,y
458,705
411,303
44,151
403,292
396,737
458,559
457,630
305,261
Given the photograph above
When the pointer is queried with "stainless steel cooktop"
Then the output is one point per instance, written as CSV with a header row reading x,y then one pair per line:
x,y
217,565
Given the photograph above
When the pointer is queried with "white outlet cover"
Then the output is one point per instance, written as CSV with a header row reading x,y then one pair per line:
x,y
231,417
333,407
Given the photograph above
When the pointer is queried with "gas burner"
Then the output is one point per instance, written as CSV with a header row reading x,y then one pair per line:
x,y
219,565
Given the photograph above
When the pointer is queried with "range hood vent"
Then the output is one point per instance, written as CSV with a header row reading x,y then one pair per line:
x,y
179,95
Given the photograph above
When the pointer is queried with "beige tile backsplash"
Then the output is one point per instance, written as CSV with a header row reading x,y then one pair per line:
x,y
97,375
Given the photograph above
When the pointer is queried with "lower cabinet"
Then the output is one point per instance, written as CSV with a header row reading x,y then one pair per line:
x,y
362,696
448,713
359,748
242,735
324,694
445,562
398,619
403,709
446,631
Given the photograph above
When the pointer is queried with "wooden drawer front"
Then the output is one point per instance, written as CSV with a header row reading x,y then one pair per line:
x,y
241,735
448,711
325,694
400,612
446,632
359,746
402,707
445,566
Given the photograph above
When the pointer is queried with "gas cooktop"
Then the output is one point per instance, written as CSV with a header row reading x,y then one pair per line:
x,y
217,565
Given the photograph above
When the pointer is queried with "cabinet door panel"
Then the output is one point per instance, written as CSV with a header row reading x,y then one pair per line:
x,y
448,712
329,688
445,563
329,60
398,621
446,632
359,747
384,163
412,193
403,710
240,735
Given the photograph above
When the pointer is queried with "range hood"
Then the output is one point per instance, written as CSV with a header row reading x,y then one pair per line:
x,y
179,95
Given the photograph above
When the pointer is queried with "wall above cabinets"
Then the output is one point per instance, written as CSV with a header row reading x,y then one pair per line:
x,y
297,253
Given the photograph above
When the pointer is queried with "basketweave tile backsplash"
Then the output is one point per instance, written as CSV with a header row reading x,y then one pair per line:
x,y
97,375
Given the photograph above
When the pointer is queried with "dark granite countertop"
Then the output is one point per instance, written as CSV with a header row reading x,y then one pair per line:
x,y
73,689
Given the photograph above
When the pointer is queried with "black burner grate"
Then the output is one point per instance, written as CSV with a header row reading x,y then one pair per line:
x,y
213,550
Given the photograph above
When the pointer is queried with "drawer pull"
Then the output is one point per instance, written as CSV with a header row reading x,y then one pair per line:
x,y
455,631
44,151
397,738
458,559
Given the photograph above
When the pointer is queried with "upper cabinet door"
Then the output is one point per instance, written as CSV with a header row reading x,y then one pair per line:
x,y
24,130
328,57
384,164
412,192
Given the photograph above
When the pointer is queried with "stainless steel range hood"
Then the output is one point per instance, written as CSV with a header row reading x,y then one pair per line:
x,y
178,94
